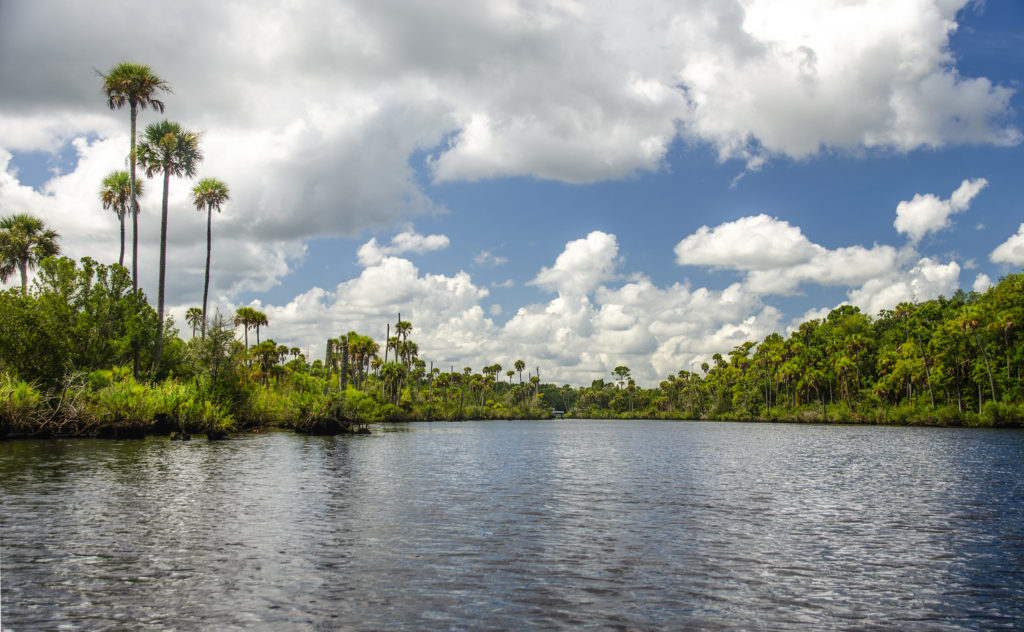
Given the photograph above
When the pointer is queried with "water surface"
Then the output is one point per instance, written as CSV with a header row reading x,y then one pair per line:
x,y
519,525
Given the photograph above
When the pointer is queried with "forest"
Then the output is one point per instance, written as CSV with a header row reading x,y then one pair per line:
x,y
83,351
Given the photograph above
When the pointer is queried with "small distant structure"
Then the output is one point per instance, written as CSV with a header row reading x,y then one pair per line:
x,y
558,413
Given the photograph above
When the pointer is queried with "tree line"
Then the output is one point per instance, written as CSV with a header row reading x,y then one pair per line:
x,y
955,360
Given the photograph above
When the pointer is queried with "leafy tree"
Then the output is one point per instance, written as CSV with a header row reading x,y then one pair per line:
x,y
212,194
169,150
136,86
75,319
24,242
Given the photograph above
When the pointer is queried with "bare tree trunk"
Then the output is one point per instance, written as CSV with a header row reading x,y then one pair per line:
x,y
343,377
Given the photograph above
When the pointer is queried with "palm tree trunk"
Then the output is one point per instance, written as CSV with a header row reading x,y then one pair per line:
x,y
163,275
23,267
988,369
120,258
206,282
134,204
135,235
927,372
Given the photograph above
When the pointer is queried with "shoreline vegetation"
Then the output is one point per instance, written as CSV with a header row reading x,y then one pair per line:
x,y
67,346
84,353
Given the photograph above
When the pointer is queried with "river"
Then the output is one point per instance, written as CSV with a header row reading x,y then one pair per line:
x,y
546,525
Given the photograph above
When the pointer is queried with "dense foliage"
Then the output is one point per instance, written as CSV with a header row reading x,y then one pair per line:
x,y
952,360
66,352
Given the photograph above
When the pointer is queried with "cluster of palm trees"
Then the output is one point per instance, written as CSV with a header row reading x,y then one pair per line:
x,y
166,149
249,318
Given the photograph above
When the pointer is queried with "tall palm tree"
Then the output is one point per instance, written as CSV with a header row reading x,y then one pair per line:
x,y
136,86
169,150
116,195
211,193
24,242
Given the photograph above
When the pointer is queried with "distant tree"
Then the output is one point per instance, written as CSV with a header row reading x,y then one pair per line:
x,y
24,242
210,193
621,374
259,320
116,195
245,317
194,317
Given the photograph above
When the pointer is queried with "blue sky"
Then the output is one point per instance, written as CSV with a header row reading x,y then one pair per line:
x,y
571,184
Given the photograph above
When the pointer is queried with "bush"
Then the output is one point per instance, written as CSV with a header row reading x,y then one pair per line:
x,y
1000,414
22,408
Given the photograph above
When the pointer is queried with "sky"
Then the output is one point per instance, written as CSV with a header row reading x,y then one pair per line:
x,y
579,185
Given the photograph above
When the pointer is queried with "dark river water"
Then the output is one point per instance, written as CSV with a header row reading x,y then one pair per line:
x,y
519,526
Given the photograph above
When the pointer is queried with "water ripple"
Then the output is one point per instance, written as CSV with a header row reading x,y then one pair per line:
x,y
525,525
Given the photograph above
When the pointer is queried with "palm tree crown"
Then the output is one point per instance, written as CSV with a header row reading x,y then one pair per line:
x,y
24,242
170,150
133,85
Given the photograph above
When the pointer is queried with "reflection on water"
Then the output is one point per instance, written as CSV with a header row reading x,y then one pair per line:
x,y
519,525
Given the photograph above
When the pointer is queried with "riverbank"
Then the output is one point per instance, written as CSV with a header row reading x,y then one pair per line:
x,y
993,415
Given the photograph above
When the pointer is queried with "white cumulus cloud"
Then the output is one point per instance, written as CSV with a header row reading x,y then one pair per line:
x,y
1010,251
582,266
927,213
372,252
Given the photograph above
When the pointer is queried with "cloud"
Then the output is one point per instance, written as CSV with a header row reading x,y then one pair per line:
x,y
1010,251
340,95
926,280
981,283
372,253
777,258
927,213
749,243
331,118
770,78
485,257
582,266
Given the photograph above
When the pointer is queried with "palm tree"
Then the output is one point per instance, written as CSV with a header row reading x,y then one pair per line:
x,y
259,319
194,316
211,193
24,242
169,150
969,320
245,316
134,85
116,195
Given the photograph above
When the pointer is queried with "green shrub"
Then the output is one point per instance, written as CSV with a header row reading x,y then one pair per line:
x,y
22,407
